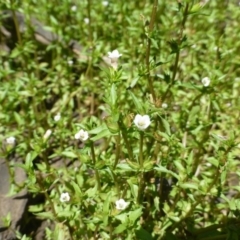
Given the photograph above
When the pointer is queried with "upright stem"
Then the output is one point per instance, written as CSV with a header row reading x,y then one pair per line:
x,y
151,25
17,27
179,40
175,66
118,147
124,135
141,151
94,162
141,180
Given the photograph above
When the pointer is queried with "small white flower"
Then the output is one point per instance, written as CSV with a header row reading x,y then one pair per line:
x,y
47,134
57,117
82,135
74,8
206,81
70,62
121,204
86,20
142,122
164,105
104,3
64,197
114,55
11,140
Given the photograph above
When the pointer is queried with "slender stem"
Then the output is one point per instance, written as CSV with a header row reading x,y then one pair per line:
x,y
151,25
116,183
141,180
141,150
17,27
40,181
150,83
179,40
94,162
197,201
118,148
175,66
90,39
124,135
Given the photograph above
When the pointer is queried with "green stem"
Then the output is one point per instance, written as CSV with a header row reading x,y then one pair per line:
x,y
141,180
141,150
94,162
175,66
185,15
118,148
151,25
17,27
127,144
196,202
40,181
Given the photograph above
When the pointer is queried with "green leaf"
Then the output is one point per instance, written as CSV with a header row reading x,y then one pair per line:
x,y
232,205
142,234
160,168
36,208
148,165
135,166
120,228
166,126
98,129
134,188
45,215
19,119
59,232
107,204
91,192
113,95
124,166
134,82
164,135
65,213
122,217
195,8
104,133
80,180
76,188
189,185
101,131
134,215
179,166
69,154
213,161
29,159
136,102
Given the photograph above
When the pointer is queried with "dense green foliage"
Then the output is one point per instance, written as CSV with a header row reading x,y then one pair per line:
x,y
179,176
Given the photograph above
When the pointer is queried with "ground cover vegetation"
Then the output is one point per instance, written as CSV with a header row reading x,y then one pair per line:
x,y
126,121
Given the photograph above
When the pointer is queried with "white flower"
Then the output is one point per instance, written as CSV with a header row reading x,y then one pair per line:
x,y
64,197
57,117
142,122
82,135
121,204
114,55
86,20
164,105
11,140
47,134
206,81
74,8
70,62
104,3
